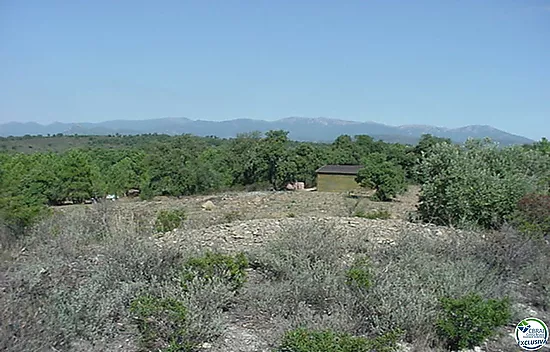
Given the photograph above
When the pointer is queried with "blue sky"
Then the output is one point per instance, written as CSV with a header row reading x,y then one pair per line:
x,y
445,63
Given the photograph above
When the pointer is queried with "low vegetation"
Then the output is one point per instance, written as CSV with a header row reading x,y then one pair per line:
x,y
94,278
216,266
303,340
168,220
161,320
467,321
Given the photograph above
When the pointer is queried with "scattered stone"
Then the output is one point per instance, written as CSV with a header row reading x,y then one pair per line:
x,y
133,192
208,205
206,345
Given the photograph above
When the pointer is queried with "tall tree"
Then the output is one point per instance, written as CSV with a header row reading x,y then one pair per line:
x,y
75,174
273,151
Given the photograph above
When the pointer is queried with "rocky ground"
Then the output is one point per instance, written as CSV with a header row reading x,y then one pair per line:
x,y
204,211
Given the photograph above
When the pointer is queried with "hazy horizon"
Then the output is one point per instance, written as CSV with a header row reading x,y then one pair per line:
x,y
445,64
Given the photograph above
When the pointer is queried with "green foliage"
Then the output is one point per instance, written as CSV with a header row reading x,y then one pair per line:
x,y
386,178
532,216
303,340
383,214
168,220
75,168
542,146
76,176
18,212
478,184
467,321
210,266
274,151
359,275
159,320
124,175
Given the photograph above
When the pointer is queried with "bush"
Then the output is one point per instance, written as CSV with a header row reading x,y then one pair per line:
x,y
20,212
386,178
168,220
359,275
478,184
229,269
467,321
160,320
532,216
383,214
303,340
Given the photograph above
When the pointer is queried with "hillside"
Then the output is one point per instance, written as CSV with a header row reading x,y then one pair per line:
x,y
301,129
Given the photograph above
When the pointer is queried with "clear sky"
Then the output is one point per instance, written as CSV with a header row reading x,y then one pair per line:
x,y
446,63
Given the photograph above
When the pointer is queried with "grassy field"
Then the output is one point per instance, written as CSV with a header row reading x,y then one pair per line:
x,y
246,271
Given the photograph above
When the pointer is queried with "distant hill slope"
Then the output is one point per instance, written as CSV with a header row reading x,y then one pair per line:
x,y
300,128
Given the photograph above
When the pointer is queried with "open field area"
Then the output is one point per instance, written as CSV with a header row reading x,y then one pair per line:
x,y
75,291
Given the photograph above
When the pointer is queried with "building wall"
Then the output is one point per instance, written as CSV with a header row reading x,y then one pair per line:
x,y
336,183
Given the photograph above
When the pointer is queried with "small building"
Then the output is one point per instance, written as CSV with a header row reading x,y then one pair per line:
x,y
337,178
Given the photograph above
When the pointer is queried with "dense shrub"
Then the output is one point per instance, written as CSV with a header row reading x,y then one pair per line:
x,y
533,215
160,320
227,268
168,220
303,340
478,184
467,321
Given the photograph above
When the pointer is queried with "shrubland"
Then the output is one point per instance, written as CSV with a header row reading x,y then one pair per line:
x,y
95,279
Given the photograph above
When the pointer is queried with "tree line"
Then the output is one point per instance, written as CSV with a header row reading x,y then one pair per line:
x,y
186,165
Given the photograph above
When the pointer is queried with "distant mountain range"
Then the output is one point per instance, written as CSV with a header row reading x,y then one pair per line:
x,y
302,129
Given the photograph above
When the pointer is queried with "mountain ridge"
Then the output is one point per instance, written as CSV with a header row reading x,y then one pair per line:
x,y
318,129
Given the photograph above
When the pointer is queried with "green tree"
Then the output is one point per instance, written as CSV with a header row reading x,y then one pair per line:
x,y
543,146
42,182
344,151
386,178
245,159
75,174
308,158
123,176
273,149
